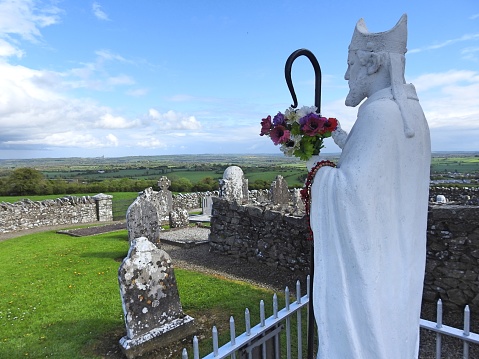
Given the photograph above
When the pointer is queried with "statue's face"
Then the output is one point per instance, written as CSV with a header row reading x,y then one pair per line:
x,y
357,77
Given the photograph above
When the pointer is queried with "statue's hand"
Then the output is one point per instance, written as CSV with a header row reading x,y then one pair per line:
x,y
339,136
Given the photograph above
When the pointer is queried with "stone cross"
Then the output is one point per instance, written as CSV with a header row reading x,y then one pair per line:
x,y
164,183
151,304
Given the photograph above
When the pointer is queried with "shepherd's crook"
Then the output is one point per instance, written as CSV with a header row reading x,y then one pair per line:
x,y
317,103
317,76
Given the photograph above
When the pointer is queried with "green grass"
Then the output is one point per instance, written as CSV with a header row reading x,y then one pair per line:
x,y
466,164
59,296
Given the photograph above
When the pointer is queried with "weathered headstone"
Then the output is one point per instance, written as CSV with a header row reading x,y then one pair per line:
x,y
233,185
151,304
142,220
207,205
441,198
298,204
179,218
279,191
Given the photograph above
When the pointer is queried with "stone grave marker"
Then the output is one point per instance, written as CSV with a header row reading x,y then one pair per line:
x,y
207,205
164,197
179,218
298,204
142,220
279,191
233,185
151,304
441,198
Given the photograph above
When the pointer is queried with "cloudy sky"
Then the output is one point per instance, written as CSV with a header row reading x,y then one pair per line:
x,y
148,77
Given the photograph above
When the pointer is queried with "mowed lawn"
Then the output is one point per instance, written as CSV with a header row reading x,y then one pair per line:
x,y
59,296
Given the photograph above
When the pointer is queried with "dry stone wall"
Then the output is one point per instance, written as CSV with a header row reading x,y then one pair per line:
x,y
275,239
469,195
258,234
452,270
29,214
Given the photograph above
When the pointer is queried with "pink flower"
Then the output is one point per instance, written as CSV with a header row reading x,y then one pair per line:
x,y
279,134
312,124
266,126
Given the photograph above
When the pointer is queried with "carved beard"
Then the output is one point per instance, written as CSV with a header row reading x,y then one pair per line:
x,y
357,90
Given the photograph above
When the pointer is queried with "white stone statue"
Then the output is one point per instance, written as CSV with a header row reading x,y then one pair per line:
x,y
369,213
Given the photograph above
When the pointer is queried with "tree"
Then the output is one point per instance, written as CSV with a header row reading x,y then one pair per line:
x,y
206,184
181,185
25,181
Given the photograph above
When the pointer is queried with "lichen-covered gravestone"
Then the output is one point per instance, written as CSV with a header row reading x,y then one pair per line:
x,y
233,186
179,218
151,304
279,191
142,219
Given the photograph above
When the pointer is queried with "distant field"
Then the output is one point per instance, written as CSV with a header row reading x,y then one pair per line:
x,y
195,168
467,164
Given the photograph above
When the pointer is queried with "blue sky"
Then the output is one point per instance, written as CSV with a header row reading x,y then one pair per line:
x,y
149,77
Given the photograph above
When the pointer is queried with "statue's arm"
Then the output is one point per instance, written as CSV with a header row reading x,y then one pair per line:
x,y
339,136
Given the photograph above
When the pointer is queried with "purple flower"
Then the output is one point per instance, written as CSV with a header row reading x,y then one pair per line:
x,y
265,126
279,134
278,119
312,124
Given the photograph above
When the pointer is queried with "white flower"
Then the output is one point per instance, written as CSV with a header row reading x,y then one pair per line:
x,y
291,116
306,110
291,146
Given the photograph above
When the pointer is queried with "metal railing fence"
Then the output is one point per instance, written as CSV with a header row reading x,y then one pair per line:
x,y
265,336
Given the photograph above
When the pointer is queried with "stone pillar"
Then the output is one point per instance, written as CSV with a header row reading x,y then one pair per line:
x,y
104,207
151,304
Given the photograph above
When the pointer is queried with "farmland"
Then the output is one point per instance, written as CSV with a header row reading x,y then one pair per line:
x,y
259,169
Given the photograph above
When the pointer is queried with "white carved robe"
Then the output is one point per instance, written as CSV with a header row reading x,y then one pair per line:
x,y
369,218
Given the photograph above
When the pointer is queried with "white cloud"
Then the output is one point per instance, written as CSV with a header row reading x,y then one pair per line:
x,y
95,75
108,55
111,122
172,120
190,98
137,92
23,18
150,142
466,37
450,101
99,13
438,80
112,140
121,80
470,53
7,50
69,139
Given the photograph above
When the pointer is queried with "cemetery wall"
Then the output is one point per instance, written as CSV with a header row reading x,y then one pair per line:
x,y
258,234
27,214
469,195
452,268
190,200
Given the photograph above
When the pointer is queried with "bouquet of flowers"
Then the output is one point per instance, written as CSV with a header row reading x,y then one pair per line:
x,y
300,132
